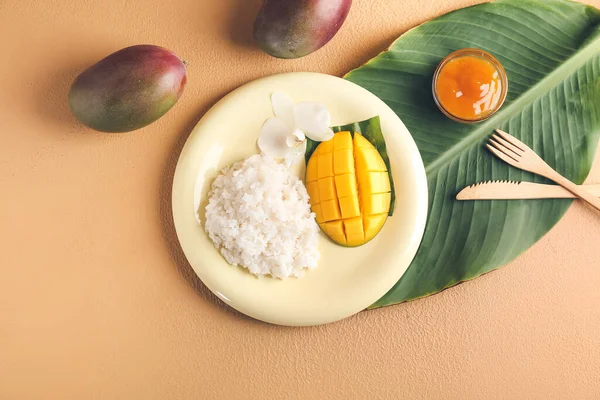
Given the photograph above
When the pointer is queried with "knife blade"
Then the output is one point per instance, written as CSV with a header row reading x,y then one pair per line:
x,y
514,190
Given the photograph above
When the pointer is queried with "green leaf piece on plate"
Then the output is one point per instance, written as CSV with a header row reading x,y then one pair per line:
x,y
371,130
551,52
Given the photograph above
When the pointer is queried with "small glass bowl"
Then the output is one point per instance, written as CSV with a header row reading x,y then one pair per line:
x,y
482,55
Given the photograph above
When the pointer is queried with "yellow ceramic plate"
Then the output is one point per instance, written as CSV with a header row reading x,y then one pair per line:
x,y
347,280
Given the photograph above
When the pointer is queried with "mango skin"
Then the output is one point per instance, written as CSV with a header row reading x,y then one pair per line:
x,y
296,28
128,89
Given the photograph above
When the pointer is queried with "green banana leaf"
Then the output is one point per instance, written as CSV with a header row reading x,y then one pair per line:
x,y
371,130
551,52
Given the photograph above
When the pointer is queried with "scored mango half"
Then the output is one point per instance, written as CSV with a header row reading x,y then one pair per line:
x,y
349,188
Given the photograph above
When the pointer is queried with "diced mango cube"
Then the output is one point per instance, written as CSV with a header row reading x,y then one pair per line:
x,y
380,164
349,207
355,239
387,200
316,208
343,162
326,189
377,203
311,170
360,159
334,228
342,140
345,185
369,160
373,224
362,143
339,239
324,165
374,182
354,231
385,182
331,210
313,192
326,147
353,226
367,181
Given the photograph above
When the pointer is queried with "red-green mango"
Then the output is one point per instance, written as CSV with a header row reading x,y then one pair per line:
x,y
296,28
128,89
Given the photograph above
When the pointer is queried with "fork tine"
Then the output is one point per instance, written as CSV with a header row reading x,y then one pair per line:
x,y
502,156
513,140
504,150
514,149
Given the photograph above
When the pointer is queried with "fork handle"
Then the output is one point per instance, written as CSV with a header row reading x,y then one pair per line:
x,y
575,189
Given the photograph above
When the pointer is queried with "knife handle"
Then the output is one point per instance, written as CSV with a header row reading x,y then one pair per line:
x,y
573,188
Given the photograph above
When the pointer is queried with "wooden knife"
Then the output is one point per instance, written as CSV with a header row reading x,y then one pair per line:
x,y
514,190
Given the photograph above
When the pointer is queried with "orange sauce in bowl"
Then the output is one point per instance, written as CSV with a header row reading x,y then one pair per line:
x,y
470,87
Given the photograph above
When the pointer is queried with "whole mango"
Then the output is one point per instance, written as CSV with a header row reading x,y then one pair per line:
x,y
128,89
296,28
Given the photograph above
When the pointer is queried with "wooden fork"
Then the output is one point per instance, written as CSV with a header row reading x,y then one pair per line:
x,y
516,153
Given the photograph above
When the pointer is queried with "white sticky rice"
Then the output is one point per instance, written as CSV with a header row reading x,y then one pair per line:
x,y
259,217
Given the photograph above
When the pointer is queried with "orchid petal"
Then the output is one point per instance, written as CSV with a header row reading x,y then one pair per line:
x,y
299,135
327,135
283,108
272,138
291,141
301,148
295,153
313,119
295,138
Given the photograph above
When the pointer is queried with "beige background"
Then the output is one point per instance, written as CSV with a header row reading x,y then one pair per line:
x,y
98,302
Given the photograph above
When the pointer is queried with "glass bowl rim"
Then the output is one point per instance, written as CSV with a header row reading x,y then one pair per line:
x,y
477,53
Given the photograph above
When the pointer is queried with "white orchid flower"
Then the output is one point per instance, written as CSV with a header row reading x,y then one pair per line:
x,y
284,136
